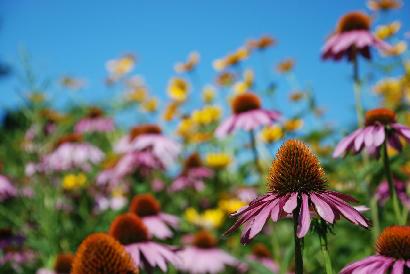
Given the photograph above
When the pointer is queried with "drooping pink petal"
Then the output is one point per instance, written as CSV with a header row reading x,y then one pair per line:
x,y
304,217
291,203
322,208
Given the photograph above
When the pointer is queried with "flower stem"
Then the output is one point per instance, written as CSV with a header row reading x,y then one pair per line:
x,y
357,87
375,218
298,243
392,189
325,253
254,150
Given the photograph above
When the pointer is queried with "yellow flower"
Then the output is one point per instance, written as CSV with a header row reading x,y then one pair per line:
x,y
248,77
397,49
218,160
271,134
178,89
225,79
37,97
73,181
185,127
383,5
286,66
121,66
189,65
208,94
240,88
207,115
170,111
231,205
150,105
293,124
390,89
296,96
138,95
231,59
386,31
210,218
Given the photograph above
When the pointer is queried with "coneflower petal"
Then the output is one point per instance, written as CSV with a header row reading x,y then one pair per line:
x,y
291,203
322,208
304,217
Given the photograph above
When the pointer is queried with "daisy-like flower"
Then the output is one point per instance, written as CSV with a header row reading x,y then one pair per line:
x,y
262,255
190,64
384,5
100,253
193,174
63,265
94,121
296,183
392,254
149,137
262,43
383,193
380,126
148,208
133,234
7,189
248,114
351,38
204,256
71,152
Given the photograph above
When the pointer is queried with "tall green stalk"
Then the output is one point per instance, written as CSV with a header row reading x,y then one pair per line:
x,y
298,243
325,253
357,87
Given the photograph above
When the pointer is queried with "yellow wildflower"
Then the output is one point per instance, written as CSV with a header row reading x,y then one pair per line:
x,y
286,66
271,134
231,205
240,87
138,94
189,65
208,94
210,218
225,79
178,89
207,115
248,77
171,111
293,124
218,160
37,97
397,49
73,181
386,31
150,105
121,66
383,5
296,96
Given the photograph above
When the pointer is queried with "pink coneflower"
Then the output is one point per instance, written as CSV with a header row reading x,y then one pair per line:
x,y
132,233
351,38
248,115
262,255
159,224
94,122
139,162
380,126
296,183
383,193
192,175
393,254
7,190
204,256
70,152
149,137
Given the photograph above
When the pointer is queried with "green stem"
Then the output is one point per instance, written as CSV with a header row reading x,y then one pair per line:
x,y
375,218
392,189
357,87
325,253
254,149
298,243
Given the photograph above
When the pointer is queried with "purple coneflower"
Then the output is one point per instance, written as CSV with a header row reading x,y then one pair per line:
x,y
100,253
380,126
352,37
393,254
132,233
192,176
71,152
63,265
159,224
262,255
204,256
248,115
383,193
296,183
94,122
7,190
149,137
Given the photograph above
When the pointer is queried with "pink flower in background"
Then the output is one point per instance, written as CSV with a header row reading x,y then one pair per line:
x,y
132,233
13,251
94,122
150,138
262,255
192,175
248,114
7,190
352,37
159,224
383,193
393,254
296,183
69,153
380,126
204,256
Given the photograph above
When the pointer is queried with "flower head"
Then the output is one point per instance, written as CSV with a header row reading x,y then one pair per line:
x,y
145,205
218,160
100,253
384,5
354,21
63,263
178,89
204,239
128,229
245,102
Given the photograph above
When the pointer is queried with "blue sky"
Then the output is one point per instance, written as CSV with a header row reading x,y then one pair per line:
x,y
77,37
